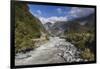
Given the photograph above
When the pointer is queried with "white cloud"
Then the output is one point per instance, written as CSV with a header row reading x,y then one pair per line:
x,y
36,15
59,10
52,19
39,12
73,13
79,12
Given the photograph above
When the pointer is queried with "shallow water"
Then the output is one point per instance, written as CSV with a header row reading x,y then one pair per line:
x,y
56,50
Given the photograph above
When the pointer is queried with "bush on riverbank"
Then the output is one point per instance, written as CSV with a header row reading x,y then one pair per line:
x,y
84,41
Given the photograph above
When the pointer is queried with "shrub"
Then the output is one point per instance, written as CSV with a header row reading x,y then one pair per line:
x,y
87,54
84,41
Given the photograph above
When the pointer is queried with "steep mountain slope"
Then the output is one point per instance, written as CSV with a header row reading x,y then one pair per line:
x,y
77,25
48,27
27,27
80,32
82,35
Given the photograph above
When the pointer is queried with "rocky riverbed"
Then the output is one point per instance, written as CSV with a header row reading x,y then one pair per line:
x,y
56,50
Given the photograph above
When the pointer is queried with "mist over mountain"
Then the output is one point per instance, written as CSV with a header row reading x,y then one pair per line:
x,y
78,24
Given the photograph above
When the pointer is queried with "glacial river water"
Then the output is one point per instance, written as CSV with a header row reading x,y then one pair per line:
x,y
56,50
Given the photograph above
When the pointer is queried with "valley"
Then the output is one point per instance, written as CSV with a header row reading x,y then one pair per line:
x,y
58,42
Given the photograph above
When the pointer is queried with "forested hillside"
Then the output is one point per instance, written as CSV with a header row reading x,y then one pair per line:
x,y
27,27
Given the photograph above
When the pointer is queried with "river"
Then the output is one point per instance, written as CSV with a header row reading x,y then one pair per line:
x,y
56,50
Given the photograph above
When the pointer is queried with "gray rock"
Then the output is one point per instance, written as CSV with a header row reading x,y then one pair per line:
x,y
56,50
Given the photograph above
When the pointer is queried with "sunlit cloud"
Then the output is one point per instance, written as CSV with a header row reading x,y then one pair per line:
x,y
52,19
39,12
57,13
80,12
59,10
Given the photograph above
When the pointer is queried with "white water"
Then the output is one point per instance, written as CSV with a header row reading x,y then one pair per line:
x,y
56,50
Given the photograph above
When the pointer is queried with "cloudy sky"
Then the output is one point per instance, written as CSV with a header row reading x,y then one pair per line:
x,y
47,13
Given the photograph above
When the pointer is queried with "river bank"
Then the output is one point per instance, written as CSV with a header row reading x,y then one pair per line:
x,y
56,50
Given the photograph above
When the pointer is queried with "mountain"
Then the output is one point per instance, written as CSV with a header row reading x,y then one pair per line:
x,y
77,25
48,27
27,27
